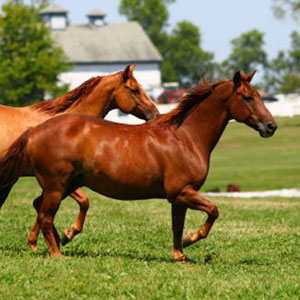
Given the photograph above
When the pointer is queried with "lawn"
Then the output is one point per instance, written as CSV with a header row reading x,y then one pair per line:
x,y
256,163
125,250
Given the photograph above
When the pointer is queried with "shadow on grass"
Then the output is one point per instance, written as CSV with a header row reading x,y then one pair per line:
x,y
12,249
124,255
131,254
15,250
208,258
254,262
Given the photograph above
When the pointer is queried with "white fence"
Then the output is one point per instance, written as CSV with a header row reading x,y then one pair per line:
x,y
287,105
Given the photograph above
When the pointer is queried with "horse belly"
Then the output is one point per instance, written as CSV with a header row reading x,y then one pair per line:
x,y
129,189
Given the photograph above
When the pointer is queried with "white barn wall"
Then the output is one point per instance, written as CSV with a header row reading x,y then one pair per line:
x,y
147,74
116,116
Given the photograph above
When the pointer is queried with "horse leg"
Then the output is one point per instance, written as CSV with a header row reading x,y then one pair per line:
x,y
178,217
49,206
194,200
33,235
77,227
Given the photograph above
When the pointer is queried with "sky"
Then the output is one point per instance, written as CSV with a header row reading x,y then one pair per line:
x,y
219,21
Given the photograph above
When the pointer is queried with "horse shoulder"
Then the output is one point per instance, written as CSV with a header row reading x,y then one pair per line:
x,y
188,164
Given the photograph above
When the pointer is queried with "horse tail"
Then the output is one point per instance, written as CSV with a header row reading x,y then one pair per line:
x,y
12,164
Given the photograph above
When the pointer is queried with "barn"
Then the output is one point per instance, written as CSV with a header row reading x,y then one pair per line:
x,y
98,48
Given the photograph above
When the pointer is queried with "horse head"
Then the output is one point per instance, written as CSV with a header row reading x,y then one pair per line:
x,y
131,98
246,105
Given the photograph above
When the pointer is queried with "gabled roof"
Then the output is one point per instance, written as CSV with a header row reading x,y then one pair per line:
x,y
111,43
52,8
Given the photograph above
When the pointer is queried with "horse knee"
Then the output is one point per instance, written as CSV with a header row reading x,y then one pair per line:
x,y
84,203
81,199
214,213
45,222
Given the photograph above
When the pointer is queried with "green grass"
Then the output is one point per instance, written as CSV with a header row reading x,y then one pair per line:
x,y
256,163
125,250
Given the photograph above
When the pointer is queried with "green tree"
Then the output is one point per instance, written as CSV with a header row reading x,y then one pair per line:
x,y
283,7
290,84
184,60
283,73
275,72
152,15
29,61
247,53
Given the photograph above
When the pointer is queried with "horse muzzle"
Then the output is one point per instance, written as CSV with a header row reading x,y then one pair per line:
x,y
266,130
151,115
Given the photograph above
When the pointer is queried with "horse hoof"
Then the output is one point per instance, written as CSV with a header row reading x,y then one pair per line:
x,y
64,239
57,255
33,245
184,259
178,255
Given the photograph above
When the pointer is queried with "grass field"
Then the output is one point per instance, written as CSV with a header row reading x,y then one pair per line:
x,y
256,163
125,251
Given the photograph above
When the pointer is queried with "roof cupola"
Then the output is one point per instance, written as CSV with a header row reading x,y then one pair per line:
x,y
55,17
96,17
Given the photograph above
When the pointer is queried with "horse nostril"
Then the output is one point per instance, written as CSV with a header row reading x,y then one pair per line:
x,y
271,126
156,115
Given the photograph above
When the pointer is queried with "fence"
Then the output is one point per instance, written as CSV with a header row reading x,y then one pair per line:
x,y
287,105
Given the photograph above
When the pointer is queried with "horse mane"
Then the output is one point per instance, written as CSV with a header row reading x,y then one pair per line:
x,y
193,97
62,103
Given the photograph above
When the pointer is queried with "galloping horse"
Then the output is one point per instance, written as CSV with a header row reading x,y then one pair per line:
x,y
164,158
95,97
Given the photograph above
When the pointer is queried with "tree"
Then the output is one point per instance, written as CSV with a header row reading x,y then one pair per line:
x,y
283,73
184,60
247,53
29,61
275,72
290,84
152,15
283,7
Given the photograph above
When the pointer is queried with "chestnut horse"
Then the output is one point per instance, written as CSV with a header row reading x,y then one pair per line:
x,y
95,97
164,158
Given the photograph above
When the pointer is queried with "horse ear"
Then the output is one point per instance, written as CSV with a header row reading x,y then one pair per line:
x,y
132,68
250,76
237,79
126,73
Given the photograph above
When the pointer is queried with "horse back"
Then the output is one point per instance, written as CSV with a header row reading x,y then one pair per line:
x,y
54,146
14,121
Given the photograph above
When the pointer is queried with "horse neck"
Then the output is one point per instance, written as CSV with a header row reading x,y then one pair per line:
x,y
207,121
100,101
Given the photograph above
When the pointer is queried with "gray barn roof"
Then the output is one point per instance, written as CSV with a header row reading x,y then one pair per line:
x,y
111,43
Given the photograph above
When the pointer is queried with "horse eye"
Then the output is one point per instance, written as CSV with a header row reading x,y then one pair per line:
x,y
248,98
135,91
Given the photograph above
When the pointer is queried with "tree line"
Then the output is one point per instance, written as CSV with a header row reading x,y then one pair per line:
x,y
30,61
185,61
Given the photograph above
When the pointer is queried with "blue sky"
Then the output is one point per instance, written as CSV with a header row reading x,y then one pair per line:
x,y
219,21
